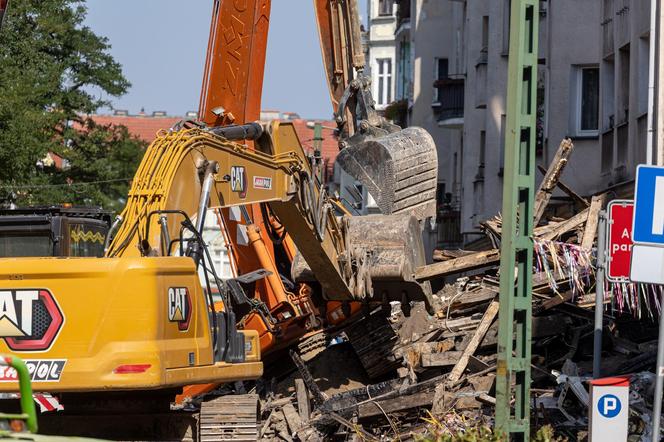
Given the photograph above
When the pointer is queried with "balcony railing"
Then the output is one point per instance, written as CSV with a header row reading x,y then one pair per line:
x,y
449,228
450,98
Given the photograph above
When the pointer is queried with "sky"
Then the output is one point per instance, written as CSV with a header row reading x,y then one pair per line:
x,y
161,46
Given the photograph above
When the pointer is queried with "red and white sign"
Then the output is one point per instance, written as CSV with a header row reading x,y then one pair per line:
x,y
621,214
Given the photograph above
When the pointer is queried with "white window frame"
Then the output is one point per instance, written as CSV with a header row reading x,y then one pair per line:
x,y
384,97
380,14
576,98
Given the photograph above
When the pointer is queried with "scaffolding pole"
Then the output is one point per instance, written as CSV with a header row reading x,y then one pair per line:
x,y
514,332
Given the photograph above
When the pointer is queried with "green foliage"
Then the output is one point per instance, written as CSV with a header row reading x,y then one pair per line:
x,y
49,62
481,434
440,432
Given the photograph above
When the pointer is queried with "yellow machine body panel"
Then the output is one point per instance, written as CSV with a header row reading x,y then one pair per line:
x,y
86,324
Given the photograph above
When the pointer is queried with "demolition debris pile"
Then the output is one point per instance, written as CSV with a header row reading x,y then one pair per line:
x,y
396,372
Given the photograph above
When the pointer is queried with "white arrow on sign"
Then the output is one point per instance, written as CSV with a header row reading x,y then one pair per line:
x,y
658,209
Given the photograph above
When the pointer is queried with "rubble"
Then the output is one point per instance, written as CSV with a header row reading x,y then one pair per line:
x,y
418,368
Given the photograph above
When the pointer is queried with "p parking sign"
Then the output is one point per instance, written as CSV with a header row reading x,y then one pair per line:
x,y
609,405
609,412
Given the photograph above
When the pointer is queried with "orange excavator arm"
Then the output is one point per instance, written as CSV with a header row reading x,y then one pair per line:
x,y
235,62
341,45
231,94
234,67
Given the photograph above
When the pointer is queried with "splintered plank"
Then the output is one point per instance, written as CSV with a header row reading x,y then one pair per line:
x,y
303,405
566,189
481,330
593,219
563,227
392,405
552,177
443,359
458,265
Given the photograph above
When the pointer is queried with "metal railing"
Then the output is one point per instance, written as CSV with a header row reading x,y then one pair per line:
x,y
451,93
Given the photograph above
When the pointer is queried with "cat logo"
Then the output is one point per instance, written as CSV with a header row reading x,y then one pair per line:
x,y
179,307
239,180
30,319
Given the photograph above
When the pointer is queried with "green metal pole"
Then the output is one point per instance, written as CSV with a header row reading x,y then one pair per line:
x,y
28,412
514,328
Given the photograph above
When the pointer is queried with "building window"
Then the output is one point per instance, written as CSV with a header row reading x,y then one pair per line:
x,y
403,70
585,101
507,10
441,72
384,81
385,7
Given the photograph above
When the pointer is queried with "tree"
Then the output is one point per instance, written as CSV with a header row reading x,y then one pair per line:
x,y
48,63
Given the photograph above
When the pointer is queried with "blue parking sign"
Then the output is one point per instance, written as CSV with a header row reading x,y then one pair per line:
x,y
609,406
648,227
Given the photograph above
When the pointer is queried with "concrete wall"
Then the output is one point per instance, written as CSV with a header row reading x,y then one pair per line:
x,y
433,27
624,48
572,43
473,35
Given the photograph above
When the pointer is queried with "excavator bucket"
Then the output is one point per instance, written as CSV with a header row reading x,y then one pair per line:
x,y
385,251
399,170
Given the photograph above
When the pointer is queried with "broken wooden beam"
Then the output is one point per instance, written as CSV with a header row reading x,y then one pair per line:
x,y
568,190
446,255
458,265
292,418
317,395
404,402
444,359
486,322
563,227
590,231
551,178
303,402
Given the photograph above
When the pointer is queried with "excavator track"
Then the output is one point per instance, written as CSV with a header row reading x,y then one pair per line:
x,y
229,418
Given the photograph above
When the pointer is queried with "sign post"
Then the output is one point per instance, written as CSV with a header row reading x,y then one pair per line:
x,y
647,264
599,294
612,262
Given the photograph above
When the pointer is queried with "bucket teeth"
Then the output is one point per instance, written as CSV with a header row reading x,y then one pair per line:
x,y
400,171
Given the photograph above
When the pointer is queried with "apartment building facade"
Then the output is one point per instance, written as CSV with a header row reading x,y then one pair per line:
x,y
457,53
625,46
380,45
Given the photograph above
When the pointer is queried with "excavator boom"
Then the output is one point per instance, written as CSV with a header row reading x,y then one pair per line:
x,y
346,263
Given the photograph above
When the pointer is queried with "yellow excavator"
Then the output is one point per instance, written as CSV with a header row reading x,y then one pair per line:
x,y
116,338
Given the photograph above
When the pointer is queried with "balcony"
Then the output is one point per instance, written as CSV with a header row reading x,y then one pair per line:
x,y
449,108
403,12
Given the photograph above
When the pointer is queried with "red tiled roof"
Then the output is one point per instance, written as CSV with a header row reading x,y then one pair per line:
x,y
144,127
330,145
